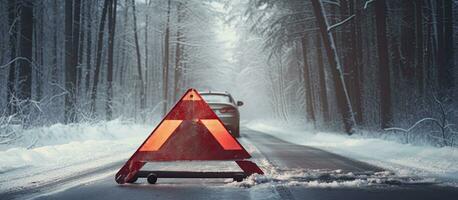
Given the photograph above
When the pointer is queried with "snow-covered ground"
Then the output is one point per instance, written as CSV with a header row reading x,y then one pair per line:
x,y
403,159
50,153
58,151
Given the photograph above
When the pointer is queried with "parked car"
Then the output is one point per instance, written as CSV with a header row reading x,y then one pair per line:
x,y
223,104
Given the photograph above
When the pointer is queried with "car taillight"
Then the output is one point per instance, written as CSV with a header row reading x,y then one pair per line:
x,y
227,110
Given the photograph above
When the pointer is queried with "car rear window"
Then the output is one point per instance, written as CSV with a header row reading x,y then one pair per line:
x,y
216,98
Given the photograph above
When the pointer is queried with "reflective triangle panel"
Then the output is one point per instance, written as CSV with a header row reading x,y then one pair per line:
x,y
190,131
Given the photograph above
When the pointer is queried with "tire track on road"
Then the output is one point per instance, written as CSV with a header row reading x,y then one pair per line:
x,y
283,192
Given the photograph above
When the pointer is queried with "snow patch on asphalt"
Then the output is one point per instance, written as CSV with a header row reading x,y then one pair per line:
x,y
275,177
404,159
328,179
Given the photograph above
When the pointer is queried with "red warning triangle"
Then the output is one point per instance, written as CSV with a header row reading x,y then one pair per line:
x,y
190,131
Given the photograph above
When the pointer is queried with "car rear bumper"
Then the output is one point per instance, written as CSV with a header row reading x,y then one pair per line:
x,y
231,122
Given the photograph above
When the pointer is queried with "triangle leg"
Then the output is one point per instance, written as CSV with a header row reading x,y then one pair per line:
x,y
249,167
128,172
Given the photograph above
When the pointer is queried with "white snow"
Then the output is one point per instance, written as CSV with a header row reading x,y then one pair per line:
x,y
64,150
403,159
55,152
59,151
276,177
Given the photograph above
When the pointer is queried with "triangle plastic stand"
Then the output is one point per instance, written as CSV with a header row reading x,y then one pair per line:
x,y
191,131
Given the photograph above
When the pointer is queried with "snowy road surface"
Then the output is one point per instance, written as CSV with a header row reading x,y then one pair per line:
x,y
292,172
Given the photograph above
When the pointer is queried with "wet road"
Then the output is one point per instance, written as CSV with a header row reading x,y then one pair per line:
x,y
292,172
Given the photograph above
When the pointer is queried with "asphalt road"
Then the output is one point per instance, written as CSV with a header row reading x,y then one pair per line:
x,y
294,172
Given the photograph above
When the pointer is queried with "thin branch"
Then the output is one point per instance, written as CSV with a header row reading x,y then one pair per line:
x,y
332,2
413,126
10,30
14,60
340,23
449,125
367,3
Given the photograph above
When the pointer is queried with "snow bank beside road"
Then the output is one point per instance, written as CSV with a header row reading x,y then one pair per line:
x,y
62,134
404,159
62,150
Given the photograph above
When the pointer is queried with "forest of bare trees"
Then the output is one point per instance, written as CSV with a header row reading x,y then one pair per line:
x,y
365,64
78,60
344,65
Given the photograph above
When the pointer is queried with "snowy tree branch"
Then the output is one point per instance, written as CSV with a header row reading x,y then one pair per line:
x,y
340,23
367,3
14,60
413,126
331,2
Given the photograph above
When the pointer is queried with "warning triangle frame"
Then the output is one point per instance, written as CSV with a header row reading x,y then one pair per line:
x,y
190,121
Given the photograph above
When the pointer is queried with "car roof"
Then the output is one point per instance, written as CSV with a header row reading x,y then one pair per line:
x,y
214,92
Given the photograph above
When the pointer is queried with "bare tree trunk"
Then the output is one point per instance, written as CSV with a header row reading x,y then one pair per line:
x,y
69,98
26,46
99,55
111,35
55,68
176,89
343,100
321,74
147,85
383,65
75,56
419,69
123,47
437,37
39,50
71,56
430,44
85,5
407,39
281,88
351,59
347,38
165,71
139,63
449,61
310,113
87,73
357,54
12,21
444,76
